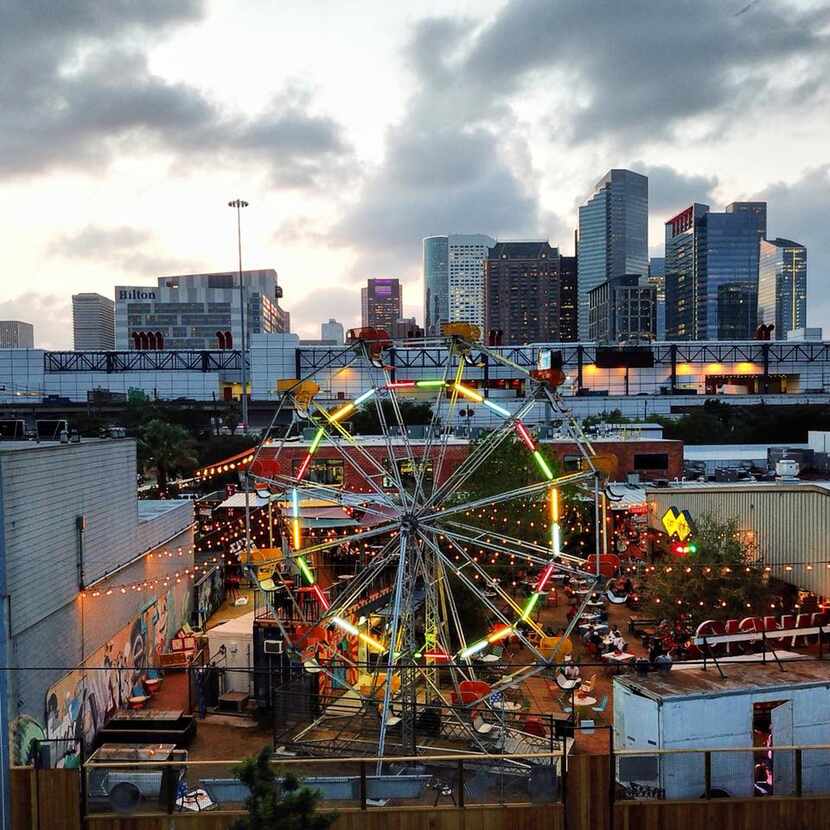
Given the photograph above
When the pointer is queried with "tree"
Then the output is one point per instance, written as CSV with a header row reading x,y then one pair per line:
x,y
365,420
167,449
719,581
232,418
295,808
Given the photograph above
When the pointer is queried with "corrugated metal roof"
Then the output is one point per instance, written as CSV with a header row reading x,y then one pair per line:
x,y
740,679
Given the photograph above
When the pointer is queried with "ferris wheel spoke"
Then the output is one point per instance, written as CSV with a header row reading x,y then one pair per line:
x,y
390,448
508,495
323,492
488,544
352,537
396,409
346,456
435,419
480,453
354,590
470,560
447,430
514,547
397,597
476,592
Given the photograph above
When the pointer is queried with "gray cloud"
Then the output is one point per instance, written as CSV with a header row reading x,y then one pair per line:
x,y
644,68
337,301
129,249
76,89
51,315
799,211
669,190
446,166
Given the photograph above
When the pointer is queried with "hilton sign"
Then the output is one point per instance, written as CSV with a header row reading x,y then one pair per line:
x,y
136,294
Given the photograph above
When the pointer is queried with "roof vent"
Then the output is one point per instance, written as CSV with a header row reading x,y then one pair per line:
x,y
787,469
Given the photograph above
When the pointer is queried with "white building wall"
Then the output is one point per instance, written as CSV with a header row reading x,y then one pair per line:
x,y
53,627
272,358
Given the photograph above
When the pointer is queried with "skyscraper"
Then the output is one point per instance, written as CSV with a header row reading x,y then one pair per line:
x,y
523,292
622,309
568,299
93,323
712,272
657,279
466,255
332,331
380,303
454,268
782,286
613,234
436,283
15,334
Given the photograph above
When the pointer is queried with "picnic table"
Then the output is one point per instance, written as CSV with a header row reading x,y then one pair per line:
x,y
623,657
597,626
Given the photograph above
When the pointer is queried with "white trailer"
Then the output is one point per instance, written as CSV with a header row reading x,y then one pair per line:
x,y
691,708
236,636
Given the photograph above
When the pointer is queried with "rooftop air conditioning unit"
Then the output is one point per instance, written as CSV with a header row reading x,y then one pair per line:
x,y
787,469
273,646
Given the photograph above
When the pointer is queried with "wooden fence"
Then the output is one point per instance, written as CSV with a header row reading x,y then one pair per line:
x,y
45,799
50,800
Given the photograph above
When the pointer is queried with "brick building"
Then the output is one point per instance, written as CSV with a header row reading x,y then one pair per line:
x,y
651,459
523,292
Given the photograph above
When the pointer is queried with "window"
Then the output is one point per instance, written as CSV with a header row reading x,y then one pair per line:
x,y
651,461
324,471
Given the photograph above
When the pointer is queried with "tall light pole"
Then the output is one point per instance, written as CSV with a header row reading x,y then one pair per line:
x,y
239,204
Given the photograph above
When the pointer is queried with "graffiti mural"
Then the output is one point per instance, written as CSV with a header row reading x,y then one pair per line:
x,y
208,596
78,704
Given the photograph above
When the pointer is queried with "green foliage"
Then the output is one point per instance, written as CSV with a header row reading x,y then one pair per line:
x,y
508,468
365,421
740,592
758,424
167,449
294,809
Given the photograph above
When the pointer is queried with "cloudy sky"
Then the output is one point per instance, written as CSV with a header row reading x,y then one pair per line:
x,y
357,127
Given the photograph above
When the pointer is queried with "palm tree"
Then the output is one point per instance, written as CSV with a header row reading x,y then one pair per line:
x,y
166,448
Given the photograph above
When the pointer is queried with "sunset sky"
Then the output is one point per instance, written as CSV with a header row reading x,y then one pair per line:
x,y
354,129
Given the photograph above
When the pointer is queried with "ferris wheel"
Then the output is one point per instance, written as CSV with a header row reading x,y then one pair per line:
x,y
412,497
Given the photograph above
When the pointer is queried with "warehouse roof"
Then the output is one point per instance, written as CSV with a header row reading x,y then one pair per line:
x,y
737,452
740,678
790,485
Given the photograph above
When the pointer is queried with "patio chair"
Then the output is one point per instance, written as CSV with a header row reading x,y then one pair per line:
x,y
139,697
600,708
481,726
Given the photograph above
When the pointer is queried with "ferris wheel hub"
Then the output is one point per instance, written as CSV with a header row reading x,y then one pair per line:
x,y
409,522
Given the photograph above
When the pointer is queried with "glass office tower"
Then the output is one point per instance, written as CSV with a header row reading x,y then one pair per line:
x,y
436,283
712,272
782,286
613,234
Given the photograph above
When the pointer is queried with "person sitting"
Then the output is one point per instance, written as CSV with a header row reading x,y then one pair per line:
x,y
589,633
628,586
615,631
572,671
616,644
655,649
663,662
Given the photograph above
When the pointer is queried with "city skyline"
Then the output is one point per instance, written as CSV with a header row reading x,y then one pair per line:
x,y
129,180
